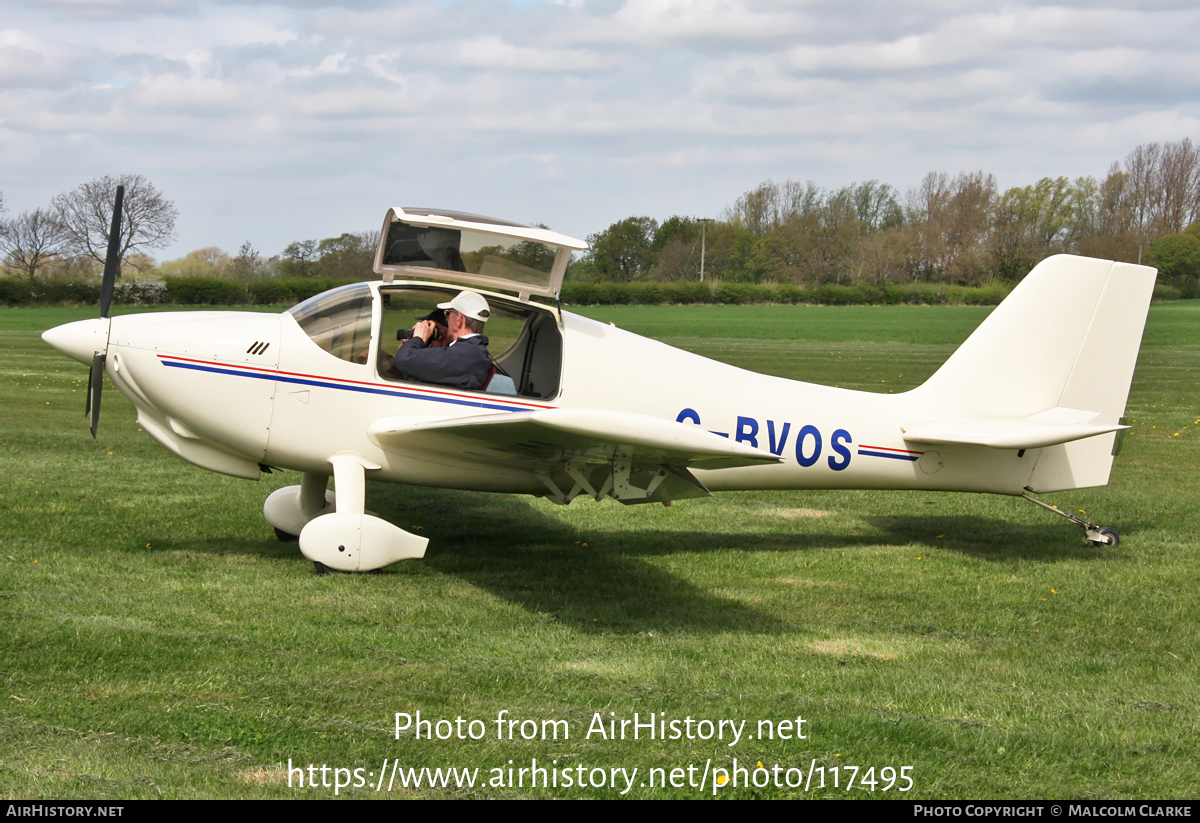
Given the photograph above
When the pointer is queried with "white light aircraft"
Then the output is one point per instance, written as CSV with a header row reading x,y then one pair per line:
x,y
1031,402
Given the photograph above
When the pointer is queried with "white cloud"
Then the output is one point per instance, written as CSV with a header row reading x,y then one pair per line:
x,y
585,107
493,53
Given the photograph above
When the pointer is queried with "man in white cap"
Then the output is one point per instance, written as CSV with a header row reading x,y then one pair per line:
x,y
464,363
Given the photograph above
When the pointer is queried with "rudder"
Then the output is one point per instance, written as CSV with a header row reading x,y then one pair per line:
x,y
1100,380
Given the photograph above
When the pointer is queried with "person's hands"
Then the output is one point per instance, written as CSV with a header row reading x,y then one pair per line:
x,y
424,329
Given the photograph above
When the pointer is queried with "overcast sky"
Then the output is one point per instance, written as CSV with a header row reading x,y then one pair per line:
x,y
272,122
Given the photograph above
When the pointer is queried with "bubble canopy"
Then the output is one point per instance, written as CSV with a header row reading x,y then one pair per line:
x,y
456,247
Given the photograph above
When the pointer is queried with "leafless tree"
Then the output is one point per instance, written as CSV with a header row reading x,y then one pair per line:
x,y
31,240
1179,181
1160,188
757,211
772,204
247,265
1141,184
148,218
950,220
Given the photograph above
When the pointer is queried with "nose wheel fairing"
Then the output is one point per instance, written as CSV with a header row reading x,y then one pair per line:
x,y
291,508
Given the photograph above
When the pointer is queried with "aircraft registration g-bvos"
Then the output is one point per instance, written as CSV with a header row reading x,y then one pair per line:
x,y
1031,402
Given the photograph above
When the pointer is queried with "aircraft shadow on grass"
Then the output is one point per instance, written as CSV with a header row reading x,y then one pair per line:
x,y
988,538
507,547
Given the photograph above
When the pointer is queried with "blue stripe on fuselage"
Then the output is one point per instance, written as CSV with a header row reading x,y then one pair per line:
x,y
279,378
910,457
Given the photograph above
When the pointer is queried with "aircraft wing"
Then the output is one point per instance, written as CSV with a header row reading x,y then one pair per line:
x,y
1048,428
632,457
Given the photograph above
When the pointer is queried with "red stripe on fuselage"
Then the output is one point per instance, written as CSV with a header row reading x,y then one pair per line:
x,y
394,386
886,449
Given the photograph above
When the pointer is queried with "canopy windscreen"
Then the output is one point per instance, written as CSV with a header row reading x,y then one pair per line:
x,y
472,252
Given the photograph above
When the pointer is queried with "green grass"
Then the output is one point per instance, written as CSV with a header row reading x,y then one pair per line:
x,y
159,642
836,324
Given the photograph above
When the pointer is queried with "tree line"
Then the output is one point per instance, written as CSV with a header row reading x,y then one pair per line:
x,y
349,256
959,230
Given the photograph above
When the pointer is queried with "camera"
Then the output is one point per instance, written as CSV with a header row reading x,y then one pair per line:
x,y
406,334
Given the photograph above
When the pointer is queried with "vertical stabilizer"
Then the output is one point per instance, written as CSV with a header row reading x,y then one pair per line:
x,y
1067,337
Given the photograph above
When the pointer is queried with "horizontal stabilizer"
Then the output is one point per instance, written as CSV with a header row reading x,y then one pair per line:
x,y
1048,428
560,435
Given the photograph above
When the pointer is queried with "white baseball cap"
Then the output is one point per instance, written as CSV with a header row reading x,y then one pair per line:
x,y
469,304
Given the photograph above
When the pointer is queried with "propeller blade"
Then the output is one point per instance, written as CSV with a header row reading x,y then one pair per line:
x,y
112,261
87,408
95,384
112,267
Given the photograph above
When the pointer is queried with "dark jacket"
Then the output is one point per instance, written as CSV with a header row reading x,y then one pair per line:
x,y
464,364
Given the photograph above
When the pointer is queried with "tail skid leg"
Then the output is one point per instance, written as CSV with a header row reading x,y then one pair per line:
x,y
1096,535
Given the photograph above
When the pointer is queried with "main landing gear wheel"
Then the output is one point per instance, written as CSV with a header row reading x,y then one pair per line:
x,y
1107,536
286,537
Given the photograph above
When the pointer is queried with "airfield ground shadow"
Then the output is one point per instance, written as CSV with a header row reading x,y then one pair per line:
x,y
504,545
507,547
992,539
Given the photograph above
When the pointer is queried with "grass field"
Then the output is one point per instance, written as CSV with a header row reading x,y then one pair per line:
x,y
159,642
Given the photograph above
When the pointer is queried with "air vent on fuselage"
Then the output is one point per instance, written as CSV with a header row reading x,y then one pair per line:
x,y
258,348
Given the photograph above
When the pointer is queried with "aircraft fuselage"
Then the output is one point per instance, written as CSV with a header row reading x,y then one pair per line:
x,y
230,391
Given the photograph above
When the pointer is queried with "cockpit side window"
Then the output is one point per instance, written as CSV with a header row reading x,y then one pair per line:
x,y
339,321
523,340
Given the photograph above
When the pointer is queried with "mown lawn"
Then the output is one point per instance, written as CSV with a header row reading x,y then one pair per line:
x,y
159,642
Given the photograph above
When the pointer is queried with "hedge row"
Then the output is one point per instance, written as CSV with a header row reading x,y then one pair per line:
x,y
15,292
191,291
212,291
1188,290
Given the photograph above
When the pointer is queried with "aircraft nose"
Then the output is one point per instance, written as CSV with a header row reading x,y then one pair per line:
x,y
80,340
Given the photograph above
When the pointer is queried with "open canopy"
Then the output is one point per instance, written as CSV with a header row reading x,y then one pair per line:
x,y
451,246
